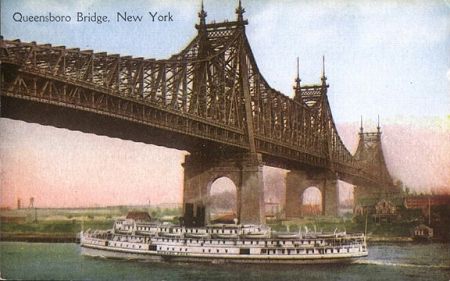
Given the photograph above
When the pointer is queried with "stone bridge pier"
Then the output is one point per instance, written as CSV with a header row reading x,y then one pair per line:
x,y
373,193
244,169
296,184
365,192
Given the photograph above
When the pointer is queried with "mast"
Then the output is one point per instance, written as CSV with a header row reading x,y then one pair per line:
x,y
429,210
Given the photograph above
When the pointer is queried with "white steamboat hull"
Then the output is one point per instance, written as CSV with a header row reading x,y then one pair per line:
x,y
219,244
158,256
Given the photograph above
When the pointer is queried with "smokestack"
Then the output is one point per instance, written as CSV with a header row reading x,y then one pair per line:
x,y
31,206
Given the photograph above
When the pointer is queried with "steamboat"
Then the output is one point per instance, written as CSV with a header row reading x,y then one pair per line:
x,y
220,243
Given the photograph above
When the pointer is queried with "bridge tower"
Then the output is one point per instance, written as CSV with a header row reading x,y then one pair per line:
x,y
297,181
369,154
244,168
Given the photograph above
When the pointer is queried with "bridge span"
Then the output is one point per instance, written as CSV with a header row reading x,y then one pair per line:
x,y
209,99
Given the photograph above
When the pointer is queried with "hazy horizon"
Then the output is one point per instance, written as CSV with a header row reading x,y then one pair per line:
x,y
64,168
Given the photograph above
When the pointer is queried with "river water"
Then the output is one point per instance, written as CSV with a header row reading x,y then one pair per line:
x,y
46,261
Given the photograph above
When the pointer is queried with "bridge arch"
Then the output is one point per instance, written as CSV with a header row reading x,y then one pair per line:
x,y
222,200
297,182
311,200
243,170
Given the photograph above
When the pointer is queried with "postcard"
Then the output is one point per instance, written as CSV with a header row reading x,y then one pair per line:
x,y
220,140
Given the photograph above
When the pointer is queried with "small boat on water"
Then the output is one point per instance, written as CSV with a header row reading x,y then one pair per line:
x,y
422,233
222,243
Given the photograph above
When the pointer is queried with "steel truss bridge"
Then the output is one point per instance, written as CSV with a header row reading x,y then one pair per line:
x,y
210,96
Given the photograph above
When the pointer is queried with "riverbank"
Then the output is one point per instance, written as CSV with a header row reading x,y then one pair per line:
x,y
40,237
73,238
389,239
60,226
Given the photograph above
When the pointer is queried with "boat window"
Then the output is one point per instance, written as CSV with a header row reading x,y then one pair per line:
x,y
244,251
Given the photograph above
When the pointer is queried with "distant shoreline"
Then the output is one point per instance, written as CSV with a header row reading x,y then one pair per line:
x,y
73,238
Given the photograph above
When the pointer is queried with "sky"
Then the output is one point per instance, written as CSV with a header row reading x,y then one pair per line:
x,y
387,57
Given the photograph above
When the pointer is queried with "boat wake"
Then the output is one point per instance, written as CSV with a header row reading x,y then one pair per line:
x,y
384,263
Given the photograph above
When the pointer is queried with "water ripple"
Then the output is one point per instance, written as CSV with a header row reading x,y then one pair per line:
x,y
384,263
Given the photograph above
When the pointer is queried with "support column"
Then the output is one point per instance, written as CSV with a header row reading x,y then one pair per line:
x,y
360,194
330,198
194,191
244,169
252,209
370,194
295,186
